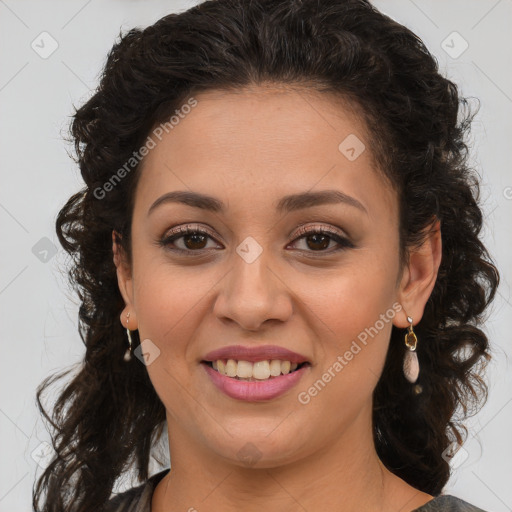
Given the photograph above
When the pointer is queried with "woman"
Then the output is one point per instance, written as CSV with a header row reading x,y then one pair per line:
x,y
278,256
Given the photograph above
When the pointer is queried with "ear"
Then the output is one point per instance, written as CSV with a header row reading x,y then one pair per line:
x,y
124,281
419,277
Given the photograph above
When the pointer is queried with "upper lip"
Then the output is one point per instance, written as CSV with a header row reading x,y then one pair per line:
x,y
261,353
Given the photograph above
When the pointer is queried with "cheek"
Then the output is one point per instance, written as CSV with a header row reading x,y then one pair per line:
x,y
352,318
169,307
354,296
169,301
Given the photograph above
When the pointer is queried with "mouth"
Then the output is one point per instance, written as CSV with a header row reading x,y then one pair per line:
x,y
254,371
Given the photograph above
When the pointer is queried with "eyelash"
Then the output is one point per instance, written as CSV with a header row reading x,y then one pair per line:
x,y
303,232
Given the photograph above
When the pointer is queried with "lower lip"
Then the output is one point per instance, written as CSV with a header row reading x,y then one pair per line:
x,y
254,391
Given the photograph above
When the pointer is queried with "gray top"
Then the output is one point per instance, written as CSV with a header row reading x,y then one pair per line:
x,y
138,499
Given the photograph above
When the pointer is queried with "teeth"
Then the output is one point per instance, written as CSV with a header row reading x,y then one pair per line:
x,y
275,367
244,369
260,370
231,368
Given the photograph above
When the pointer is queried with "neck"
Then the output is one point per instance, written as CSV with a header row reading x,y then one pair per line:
x,y
346,475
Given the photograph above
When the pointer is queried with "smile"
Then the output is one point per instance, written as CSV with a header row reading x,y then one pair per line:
x,y
256,382
254,371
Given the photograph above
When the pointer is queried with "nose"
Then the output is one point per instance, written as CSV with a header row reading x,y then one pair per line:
x,y
252,294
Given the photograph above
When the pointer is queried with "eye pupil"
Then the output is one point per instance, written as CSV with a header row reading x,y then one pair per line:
x,y
318,239
197,238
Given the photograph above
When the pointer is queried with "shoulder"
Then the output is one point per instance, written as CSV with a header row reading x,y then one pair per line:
x,y
136,499
447,503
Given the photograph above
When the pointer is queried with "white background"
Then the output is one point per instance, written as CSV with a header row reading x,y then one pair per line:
x,y
38,312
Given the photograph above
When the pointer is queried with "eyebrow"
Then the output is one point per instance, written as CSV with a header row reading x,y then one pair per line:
x,y
287,203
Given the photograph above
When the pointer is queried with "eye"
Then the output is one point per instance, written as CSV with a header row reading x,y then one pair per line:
x,y
318,238
190,237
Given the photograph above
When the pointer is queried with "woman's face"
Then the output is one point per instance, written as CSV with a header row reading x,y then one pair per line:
x,y
251,278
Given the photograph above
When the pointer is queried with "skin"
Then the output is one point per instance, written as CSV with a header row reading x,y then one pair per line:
x,y
249,149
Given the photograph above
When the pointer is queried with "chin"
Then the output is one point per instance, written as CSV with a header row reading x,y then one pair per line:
x,y
257,449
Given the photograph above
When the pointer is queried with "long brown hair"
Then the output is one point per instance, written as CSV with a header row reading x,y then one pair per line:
x,y
109,416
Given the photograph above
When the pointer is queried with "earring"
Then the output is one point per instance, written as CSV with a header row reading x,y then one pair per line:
x,y
128,353
411,365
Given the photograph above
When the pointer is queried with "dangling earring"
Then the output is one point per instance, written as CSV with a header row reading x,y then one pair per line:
x,y
411,365
128,353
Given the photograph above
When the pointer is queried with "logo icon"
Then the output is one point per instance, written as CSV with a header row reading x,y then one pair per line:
x,y
147,352
455,455
43,454
44,45
351,147
249,250
249,454
44,250
454,45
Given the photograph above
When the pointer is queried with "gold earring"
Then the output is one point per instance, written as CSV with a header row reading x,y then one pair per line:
x,y
411,365
128,353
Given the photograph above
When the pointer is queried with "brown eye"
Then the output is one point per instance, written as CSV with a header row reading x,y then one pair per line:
x,y
190,239
186,239
194,240
318,239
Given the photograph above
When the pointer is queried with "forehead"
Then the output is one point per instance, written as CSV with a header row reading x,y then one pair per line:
x,y
265,137
270,121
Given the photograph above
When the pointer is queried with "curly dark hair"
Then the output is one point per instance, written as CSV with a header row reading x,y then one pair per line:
x,y
109,415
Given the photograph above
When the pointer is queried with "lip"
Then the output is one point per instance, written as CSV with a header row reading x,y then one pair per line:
x,y
254,391
253,354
